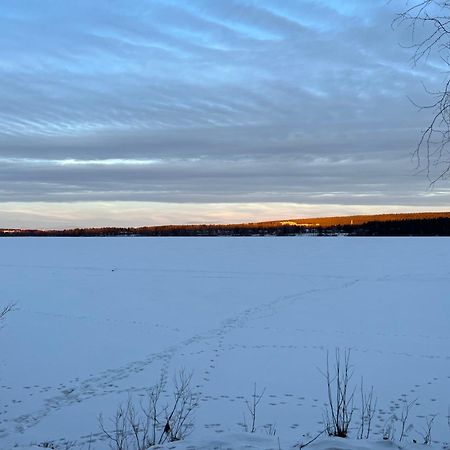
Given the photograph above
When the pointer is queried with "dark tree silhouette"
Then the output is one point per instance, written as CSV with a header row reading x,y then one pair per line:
x,y
429,23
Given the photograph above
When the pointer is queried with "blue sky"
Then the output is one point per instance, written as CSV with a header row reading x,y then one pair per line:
x,y
149,112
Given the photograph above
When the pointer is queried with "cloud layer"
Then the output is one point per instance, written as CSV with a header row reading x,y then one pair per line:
x,y
201,103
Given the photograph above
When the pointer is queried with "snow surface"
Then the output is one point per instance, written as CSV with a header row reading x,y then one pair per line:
x,y
98,319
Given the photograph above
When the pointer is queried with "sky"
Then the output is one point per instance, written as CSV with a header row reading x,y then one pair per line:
x,y
149,112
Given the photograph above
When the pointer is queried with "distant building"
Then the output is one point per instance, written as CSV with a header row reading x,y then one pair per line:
x,y
290,222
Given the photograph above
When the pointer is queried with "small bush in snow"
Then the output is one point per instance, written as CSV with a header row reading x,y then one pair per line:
x,y
339,412
367,412
139,427
426,435
252,407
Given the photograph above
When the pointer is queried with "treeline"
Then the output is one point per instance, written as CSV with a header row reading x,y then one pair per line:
x,y
410,227
167,230
363,219
405,227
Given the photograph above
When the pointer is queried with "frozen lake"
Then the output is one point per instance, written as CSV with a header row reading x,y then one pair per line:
x,y
98,320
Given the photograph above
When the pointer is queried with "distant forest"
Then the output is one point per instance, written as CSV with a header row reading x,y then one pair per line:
x,y
415,224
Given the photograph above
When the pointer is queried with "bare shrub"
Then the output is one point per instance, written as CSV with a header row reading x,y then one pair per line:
x,y
407,406
179,418
426,434
270,429
389,428
252,407
339,412
139,427
368,408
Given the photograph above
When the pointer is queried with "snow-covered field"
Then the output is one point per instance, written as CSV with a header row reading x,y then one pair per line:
x,y
98,320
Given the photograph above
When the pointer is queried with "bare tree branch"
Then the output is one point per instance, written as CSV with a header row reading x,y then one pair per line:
x,y
429,23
